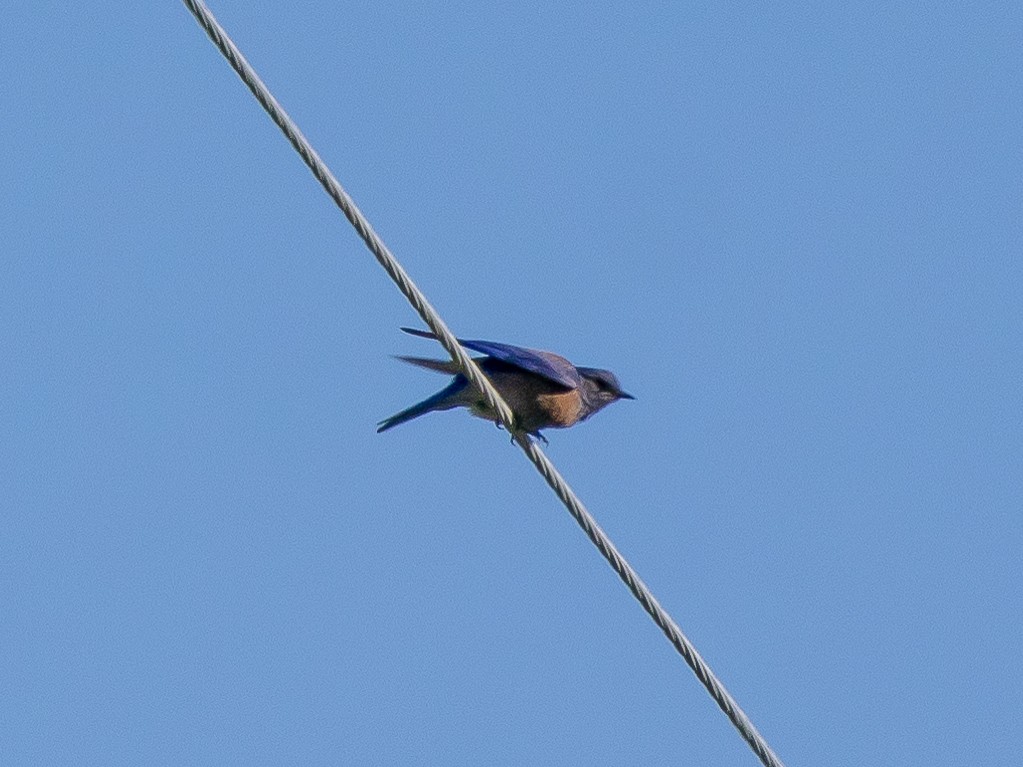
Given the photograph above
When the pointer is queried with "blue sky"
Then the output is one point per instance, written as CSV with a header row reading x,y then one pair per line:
x,y
793,232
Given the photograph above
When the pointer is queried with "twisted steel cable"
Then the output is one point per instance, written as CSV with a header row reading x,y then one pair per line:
x,y
469,368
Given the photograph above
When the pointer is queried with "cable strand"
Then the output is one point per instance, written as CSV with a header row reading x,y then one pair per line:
x,y
493,399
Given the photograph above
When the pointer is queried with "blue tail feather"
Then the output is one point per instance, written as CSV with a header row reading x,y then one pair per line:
x,y
445,399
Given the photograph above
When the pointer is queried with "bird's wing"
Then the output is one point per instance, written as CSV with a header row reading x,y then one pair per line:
x,y
545,364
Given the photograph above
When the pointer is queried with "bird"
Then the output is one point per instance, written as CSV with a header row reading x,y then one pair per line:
x,y
544,390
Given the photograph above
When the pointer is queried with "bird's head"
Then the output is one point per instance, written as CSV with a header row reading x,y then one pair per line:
x,y
600,388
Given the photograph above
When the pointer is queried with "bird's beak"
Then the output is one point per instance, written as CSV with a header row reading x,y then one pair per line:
x,y
625,395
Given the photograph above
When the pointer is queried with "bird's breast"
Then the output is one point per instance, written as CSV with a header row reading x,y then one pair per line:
x,y
561,409
537,402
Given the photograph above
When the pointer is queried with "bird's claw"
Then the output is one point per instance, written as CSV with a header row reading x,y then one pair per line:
x,y
537,435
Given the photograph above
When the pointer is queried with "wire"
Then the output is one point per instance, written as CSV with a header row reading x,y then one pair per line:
x,y
471,371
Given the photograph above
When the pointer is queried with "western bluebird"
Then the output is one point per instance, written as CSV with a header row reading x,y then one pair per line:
x,y
544,390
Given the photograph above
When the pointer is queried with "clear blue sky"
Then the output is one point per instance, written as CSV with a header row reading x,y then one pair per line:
x,y
794,232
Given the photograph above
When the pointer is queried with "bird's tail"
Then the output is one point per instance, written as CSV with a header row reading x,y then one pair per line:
x,y
445,399
441,366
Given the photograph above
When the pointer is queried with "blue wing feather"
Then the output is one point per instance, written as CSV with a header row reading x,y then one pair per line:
x,y
545,364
